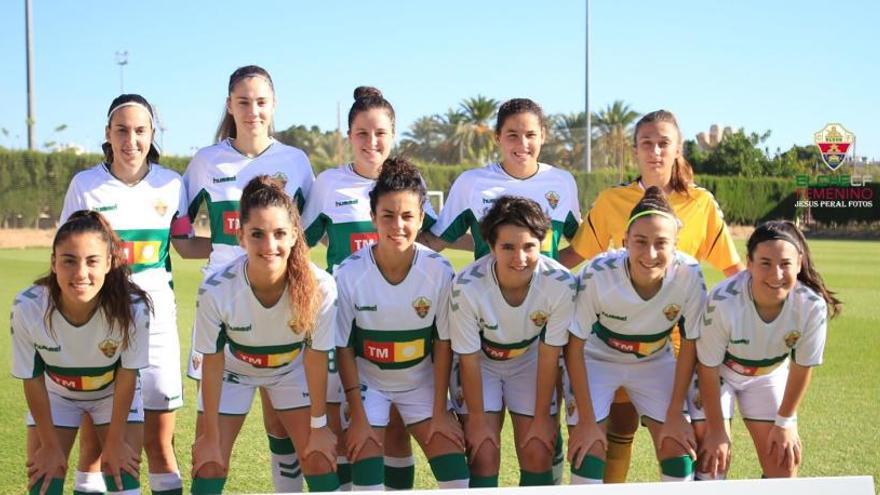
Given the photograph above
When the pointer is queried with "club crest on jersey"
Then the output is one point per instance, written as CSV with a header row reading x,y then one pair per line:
x,y
539,318
196,361
281,177
791,338
570,406
422,305
671,311
161,207
459,398
834,142
552,198
108,347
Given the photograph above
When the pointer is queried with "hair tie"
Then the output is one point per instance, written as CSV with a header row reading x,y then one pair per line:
x,y
130,104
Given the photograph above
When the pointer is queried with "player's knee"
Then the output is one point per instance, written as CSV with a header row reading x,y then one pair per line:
x,y
670,448
315,464
273,426
486,462
536,459
210,471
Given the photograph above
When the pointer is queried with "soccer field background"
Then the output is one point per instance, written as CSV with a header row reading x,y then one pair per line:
x,y
839,422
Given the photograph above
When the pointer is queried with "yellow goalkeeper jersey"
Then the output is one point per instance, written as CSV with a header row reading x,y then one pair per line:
x,y
704,235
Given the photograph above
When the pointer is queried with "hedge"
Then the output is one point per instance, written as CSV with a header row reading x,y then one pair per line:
x,y
33,184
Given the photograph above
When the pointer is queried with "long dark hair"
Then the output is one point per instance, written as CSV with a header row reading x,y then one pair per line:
x,y
682,172
153,153
367,98
305,299
117,295
788,231
226,129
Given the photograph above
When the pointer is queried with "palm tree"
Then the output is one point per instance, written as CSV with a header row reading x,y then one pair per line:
x,y
423,139
476,135
614,128
568,138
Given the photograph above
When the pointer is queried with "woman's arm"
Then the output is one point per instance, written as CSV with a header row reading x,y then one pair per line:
x,y
784,438
192,247
116,455
586,433
715,449
48,460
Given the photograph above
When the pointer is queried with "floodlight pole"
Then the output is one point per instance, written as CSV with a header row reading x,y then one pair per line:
x,y
121,61
29,40
589,147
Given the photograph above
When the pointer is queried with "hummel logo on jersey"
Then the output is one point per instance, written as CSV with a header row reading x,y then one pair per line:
x,y
347,202
47,348
365,308
245,328
613,317
488,326
740,341
221,180
101,209
489,201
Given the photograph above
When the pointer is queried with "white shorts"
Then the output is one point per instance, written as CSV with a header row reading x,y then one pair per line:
x,y
67,413
161,381
758,397
286,391
334,383
510,384
648,384
414,405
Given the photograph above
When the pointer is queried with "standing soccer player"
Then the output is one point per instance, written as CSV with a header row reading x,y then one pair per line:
x,y
216,176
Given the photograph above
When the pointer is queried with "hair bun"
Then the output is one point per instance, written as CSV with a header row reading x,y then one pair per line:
x,y
654,193
366,92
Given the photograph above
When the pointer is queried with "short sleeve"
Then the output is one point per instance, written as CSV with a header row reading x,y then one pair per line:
x,y
713,335
809,348
307,181
313,221
192,183
573,217
210,333
464,326
344,314
73,201
717,247
181,225
441,317
693,306
26,361
559,321
323,335
136,356
586,303
452,222
592,236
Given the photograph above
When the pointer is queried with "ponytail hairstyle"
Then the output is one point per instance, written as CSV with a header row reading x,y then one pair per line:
x,y
654,202
118,294
787,231
131,100
367,98
517,106
398,174
682,173
305,299
514,210
226,129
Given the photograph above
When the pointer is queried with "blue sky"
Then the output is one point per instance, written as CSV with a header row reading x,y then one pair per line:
x,y
789,67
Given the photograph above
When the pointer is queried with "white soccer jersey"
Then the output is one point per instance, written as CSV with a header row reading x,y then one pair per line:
x,y
141,215
339,204
392,327
732,333
257,340
474,192
480,318
619,326
79,361
217,175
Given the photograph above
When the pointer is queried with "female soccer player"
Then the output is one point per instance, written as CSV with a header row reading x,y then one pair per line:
x,y
146,205
79,336
629,303
253,319
519,132
216,176
393,307
703,235
339,206
762,332
509,317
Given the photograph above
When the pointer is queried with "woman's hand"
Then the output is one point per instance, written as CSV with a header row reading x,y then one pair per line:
x,y
206,450
715,452
543,430
581,438
677,429
446,426
117,457
786,443
478,433
356,437
48,462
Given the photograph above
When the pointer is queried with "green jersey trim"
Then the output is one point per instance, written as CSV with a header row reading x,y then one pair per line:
x,y
392,349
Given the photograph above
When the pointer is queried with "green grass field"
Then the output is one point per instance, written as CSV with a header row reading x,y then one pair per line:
x,y
839,421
